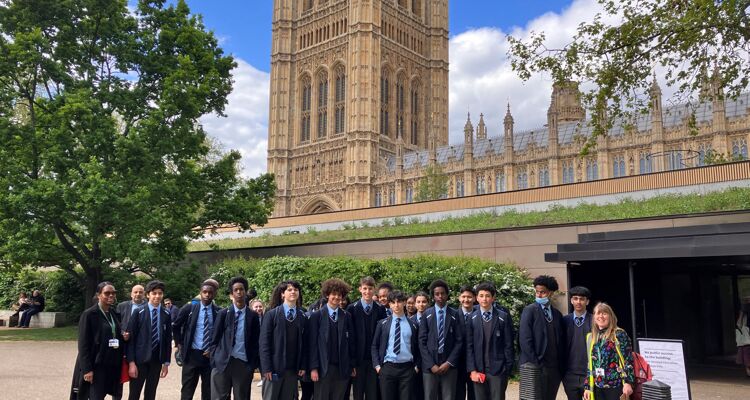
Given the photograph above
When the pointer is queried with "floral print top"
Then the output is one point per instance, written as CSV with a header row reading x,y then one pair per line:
x,y
604,356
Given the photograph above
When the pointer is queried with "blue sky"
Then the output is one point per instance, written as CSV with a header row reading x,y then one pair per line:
x,y
481,79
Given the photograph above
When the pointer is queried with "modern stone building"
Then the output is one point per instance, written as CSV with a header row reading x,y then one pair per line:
x,y
359,109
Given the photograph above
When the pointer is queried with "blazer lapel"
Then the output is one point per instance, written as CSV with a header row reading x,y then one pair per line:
x,y
340,324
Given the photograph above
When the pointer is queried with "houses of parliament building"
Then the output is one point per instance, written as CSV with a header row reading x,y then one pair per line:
x,y
359,109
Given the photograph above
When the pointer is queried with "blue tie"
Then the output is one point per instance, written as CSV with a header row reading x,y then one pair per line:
x,y
154,330
206,328
547,313
441,331
367,309
290,315
579,321
486,315
397,337
236,325
333,316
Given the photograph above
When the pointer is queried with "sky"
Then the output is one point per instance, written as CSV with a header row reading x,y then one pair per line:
x,y
481,79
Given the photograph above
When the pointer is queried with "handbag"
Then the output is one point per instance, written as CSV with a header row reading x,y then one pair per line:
x,y
124,375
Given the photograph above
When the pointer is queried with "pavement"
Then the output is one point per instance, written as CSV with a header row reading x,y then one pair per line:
x,y
44,370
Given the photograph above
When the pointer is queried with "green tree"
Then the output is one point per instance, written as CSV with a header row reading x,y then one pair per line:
x,y
434,184
104,164
689,38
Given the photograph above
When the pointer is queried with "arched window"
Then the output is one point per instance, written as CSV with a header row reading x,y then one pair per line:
x,y
400,106
644,163
385,98
568,172
340,99
703,150
409,194
592,169
378,199
543,176
739,149
307,5
305,107
522,179
322,105
499,182
618,166
481,188
459,187
414,113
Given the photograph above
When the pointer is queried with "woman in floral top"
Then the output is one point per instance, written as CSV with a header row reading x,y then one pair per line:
x,y
610,372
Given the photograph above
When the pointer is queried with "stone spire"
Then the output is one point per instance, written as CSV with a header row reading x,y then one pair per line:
x,y
508,133
468,130
481,128
656,107
432,147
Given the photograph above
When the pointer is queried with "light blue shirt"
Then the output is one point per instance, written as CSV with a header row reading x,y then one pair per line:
x,y
151,309
365,304
287,308
419,317
238,351
482,311
404,354
134,306
333,310
199,326
437,315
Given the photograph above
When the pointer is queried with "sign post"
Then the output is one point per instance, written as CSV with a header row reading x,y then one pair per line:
x,y
667,360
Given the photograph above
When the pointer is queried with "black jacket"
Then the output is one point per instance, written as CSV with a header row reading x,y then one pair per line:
x,y
272,347
138,348
221,343
185,323
569,327
428,338
318,342
363,333
380,341
93,339
533,335
500,352
125,309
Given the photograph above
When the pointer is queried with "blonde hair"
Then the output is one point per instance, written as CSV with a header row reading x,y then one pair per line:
x,y
609,332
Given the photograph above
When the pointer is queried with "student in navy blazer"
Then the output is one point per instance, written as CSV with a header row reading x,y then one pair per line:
x,y
149,349
234,346
365,314
193,331
282,359
541,336
464,385
421,302
440,345
395,351
331,344
492,356
576,325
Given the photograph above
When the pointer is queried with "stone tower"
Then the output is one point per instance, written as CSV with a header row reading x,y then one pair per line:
x,y
350,79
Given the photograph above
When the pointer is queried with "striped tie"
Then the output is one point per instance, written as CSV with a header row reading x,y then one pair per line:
x,y
397,337
236,324
579,321
441,331
206,328
547,313
486,315
290,315
154,330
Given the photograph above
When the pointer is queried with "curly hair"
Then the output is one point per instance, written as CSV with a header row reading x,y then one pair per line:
x,y
547,281
334,285
439,283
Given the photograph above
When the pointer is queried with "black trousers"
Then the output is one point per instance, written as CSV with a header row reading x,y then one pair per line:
x,y
607,394
332,386
308,388
105,382
464,385
196,367
573,385
283,387
148,376
550,382
396,381
236,378
366,382
493,388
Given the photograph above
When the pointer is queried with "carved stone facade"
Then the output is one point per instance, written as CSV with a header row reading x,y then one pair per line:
x,y
359,109
351,81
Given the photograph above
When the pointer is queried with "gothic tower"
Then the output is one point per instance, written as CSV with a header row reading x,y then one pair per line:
x,y
350,79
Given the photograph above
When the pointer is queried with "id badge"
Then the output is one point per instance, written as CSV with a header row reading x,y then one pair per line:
x,y
114,343
600,372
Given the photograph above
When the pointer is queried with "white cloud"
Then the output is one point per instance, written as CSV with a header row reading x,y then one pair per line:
x,y
482,80
245,127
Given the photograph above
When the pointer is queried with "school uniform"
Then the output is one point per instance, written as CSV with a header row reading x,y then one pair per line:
x,y
234,352
464,385
395,350
331,346
416,383
575,329
489,350
542,344
365,318
281,351
149,347
440,340
193,329
126,309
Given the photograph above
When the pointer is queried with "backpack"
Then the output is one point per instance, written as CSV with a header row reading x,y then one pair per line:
x,y
643,374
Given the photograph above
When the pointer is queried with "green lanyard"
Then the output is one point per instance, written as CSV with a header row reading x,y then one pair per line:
x,y
110,321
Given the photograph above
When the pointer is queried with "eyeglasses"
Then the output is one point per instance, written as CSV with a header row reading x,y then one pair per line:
x,y
109,293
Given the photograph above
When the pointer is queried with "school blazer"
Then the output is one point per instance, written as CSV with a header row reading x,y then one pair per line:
x,y
428,338
186,322
363,333
125,309
500,352
221,342
533,338
318,342
272,346
380,341
138,348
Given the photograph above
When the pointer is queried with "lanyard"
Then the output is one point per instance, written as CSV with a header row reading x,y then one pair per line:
x,y
110,321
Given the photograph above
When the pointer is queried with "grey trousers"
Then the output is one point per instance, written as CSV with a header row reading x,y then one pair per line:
x,y
440,386
283,388
235,379
332,386
493,388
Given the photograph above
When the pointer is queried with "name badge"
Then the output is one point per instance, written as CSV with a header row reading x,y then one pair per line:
x,y
600,372
114,343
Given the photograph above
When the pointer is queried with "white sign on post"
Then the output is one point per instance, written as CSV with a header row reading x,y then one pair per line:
x,y
667,360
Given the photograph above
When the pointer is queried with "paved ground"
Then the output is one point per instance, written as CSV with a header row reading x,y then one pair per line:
x,y
43,370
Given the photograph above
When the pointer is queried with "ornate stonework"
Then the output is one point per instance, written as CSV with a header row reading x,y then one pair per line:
x,y
359,109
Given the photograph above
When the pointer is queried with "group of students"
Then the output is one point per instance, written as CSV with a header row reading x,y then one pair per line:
x,y
369,349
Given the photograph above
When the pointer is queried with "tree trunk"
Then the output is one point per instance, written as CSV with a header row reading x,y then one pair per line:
x,y
93,277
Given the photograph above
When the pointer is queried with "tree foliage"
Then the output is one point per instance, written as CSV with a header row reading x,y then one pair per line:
x,y
434,184
103,161
690,39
